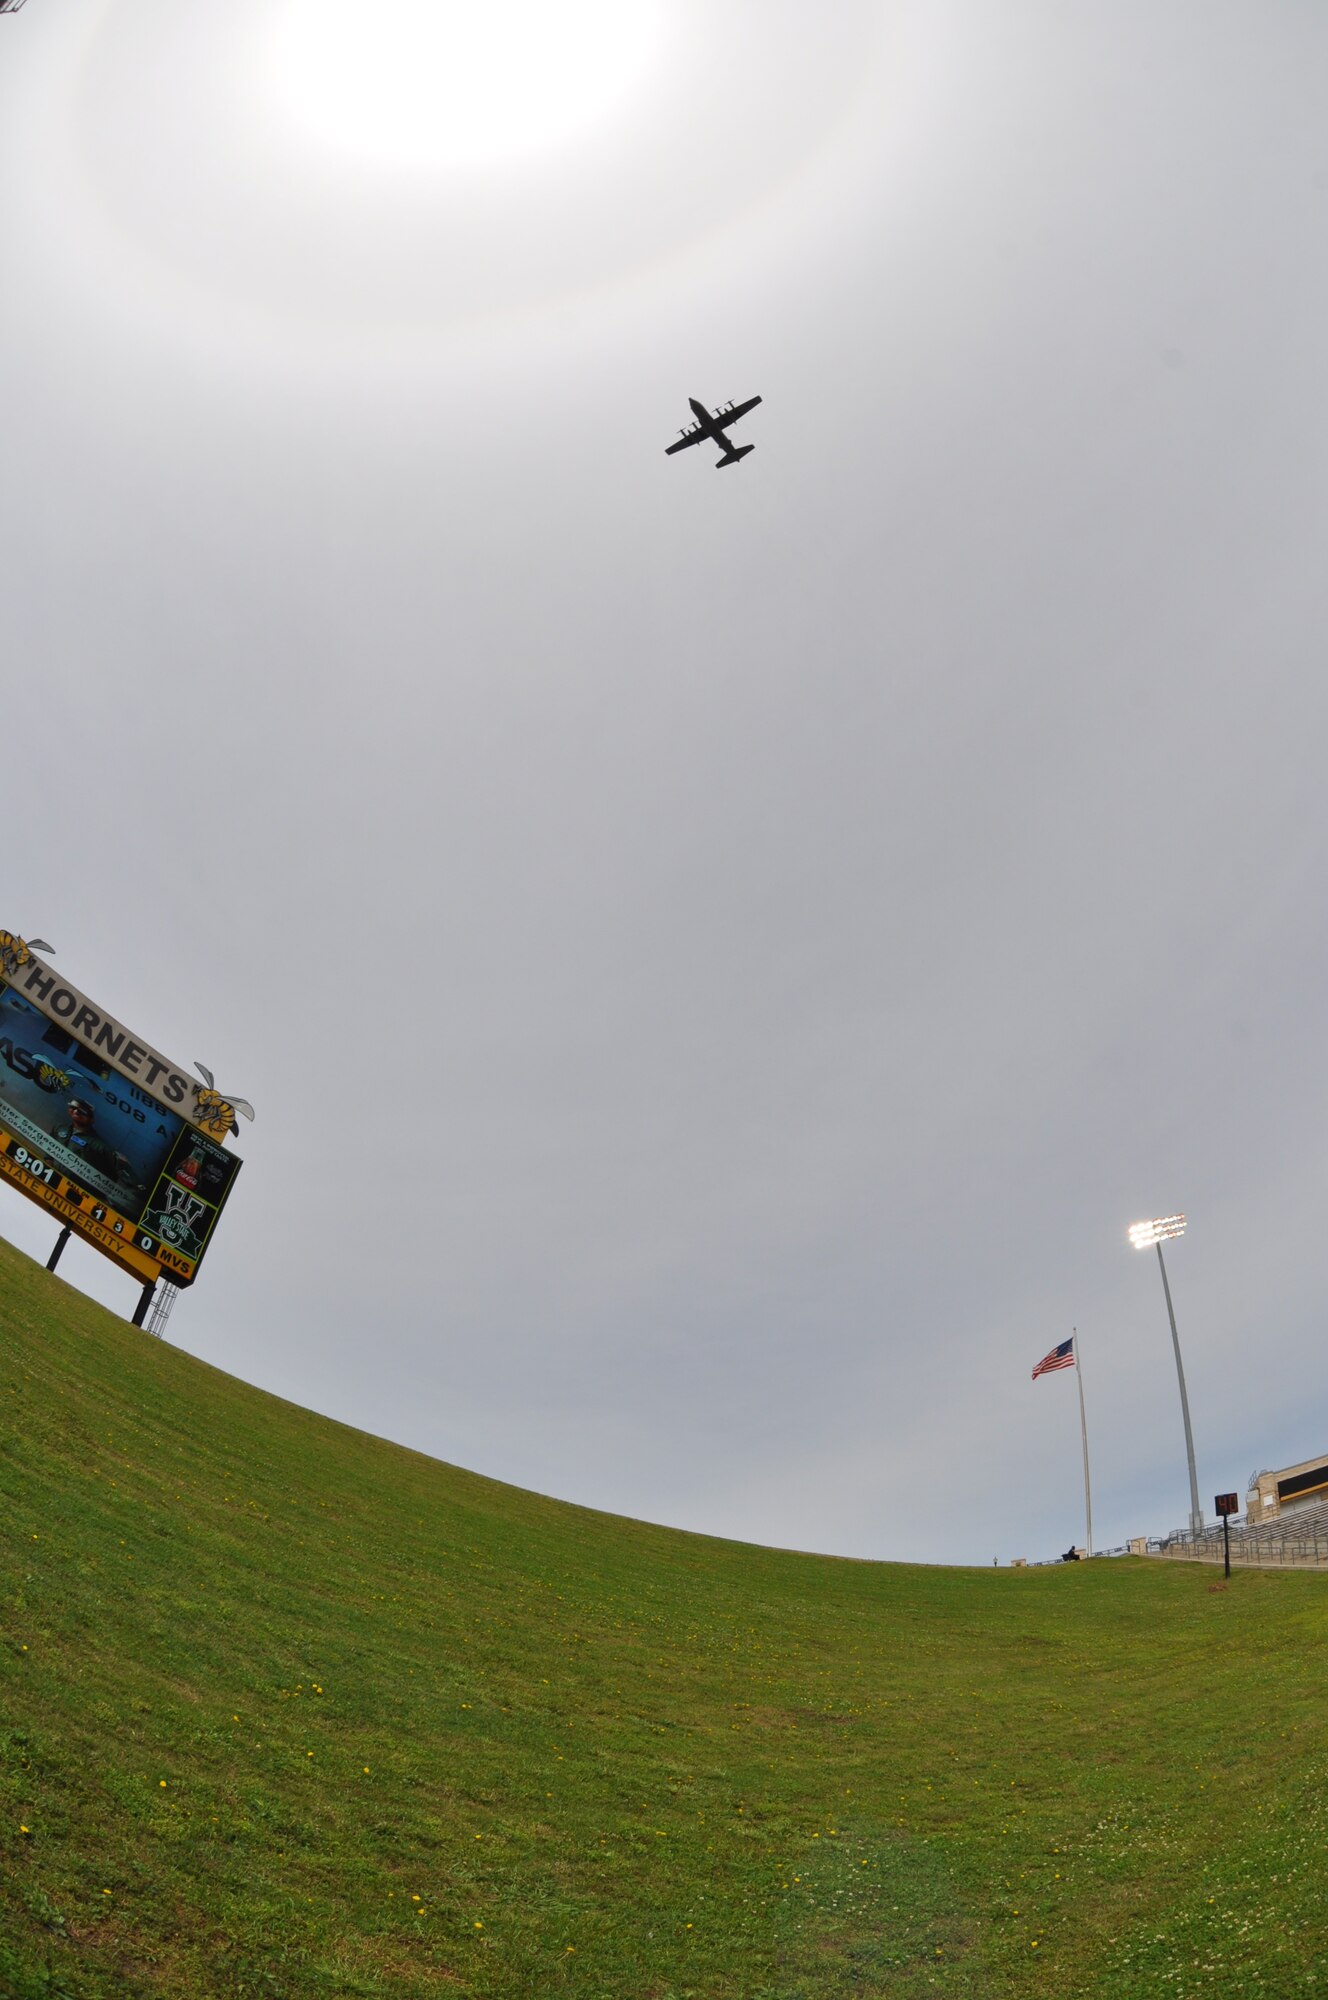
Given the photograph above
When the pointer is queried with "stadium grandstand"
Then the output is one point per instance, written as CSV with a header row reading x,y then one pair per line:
x,y
1286,1523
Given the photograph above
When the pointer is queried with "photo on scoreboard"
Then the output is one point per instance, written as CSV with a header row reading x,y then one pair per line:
x,y
100,1129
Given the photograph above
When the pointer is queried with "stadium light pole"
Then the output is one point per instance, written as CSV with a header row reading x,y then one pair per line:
x,y
1152,1235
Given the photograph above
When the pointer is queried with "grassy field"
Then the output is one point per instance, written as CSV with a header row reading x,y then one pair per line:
x,y
285,1710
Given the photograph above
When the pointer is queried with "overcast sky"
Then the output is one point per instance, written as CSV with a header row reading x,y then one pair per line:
x,y
718,963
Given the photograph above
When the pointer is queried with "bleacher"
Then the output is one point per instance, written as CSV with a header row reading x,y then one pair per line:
x,y
1298,1538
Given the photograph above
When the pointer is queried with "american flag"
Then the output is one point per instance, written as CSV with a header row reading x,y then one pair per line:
x,y
1060,1357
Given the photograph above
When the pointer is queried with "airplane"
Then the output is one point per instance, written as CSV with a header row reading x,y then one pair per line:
x,y
715,428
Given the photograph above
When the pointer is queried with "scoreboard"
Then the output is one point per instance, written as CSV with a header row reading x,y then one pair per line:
x,y
116,1141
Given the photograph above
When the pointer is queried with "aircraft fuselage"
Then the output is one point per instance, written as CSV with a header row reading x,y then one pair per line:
x,y
712,426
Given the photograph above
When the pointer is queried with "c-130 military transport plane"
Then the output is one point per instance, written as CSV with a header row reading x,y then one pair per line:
x,y
715,428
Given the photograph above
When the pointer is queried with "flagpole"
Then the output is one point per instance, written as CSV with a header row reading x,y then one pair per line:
x,y
1083,1432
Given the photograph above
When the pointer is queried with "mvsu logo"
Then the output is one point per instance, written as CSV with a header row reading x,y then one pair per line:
x,y
179,1219
15,952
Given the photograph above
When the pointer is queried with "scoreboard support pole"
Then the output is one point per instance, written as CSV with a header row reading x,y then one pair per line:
x,y
60,1243
145,1300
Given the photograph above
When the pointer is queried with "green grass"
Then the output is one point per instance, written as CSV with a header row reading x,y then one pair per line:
x,y
286,1710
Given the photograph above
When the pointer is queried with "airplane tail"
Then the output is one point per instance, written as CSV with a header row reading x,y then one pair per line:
x,y
733,454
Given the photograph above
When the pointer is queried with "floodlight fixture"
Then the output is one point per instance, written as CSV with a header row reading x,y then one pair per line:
x,y
1161,1229
1151,1236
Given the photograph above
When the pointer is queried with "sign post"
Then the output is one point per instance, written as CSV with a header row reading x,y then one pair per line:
x,y
1226,1504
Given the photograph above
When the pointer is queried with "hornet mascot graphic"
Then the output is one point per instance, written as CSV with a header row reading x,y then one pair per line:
x,y
15,953
216,1113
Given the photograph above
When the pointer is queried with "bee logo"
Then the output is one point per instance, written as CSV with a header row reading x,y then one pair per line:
x,y
215,1114
51,1078
15,953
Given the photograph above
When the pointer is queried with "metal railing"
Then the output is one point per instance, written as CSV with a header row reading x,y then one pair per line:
x,y
1298,1540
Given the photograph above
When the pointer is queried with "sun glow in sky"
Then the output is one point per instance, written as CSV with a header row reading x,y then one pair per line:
x,y
446,84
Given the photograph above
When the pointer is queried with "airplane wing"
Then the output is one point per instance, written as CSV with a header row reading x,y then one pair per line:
x,y
692,436
727,417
